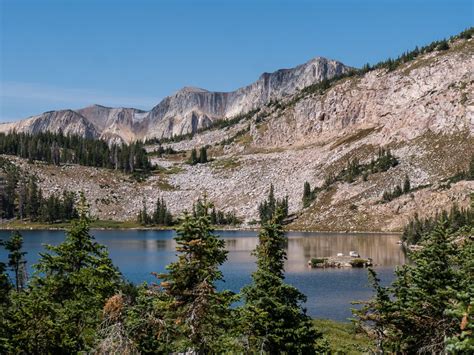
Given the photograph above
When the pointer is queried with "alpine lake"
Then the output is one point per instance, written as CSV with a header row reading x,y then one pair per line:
x,y
330,291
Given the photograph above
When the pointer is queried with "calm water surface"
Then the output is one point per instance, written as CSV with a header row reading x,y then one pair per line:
x,y
329,291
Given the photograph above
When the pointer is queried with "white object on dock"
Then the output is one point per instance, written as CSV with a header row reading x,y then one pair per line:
x,y
354,254
340,254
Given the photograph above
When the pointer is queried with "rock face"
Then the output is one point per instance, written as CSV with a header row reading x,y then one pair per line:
x,y
183,112
67,121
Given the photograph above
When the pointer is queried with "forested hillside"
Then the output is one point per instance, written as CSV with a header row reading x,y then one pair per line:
x,y
22,198
57,148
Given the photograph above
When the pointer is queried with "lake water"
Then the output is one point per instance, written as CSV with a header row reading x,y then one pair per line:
x,y
329,291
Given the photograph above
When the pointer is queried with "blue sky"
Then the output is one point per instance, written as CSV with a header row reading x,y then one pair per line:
x,y
72,53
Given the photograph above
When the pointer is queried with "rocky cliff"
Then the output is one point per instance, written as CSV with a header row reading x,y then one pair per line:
x,y
186,111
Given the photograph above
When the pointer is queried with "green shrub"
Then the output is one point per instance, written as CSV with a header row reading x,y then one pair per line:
x,y
358,262
315,261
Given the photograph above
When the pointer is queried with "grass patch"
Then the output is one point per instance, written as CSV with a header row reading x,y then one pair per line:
x,y
227,164
343,337
175,169
244,139
95,224
164,185
109,224
354,137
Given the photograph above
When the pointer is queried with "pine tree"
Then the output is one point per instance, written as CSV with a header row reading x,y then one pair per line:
x,y
201,311
462,308
406,185
144,218
16,259
5,286
471,168
194,159
60,311
203,155
306,194
412,315
268,207
273,318
33,204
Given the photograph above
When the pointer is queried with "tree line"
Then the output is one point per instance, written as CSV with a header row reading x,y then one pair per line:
x,y
218,217
57,148
455,219
160,216
77,300
270,205
22,198
398,191
201,159
383,161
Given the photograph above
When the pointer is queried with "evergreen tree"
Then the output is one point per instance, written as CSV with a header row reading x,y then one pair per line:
x,y
417,229
16,259
412,315
161,214
194,158
471,168
462,308
5,287
273,318
203,155
33,204
307,195
60,311
201,311
406,185
268,207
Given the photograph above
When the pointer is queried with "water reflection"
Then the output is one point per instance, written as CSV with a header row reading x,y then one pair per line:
x,y
330,291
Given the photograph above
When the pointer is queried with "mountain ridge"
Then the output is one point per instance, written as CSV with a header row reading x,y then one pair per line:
x,y
185,111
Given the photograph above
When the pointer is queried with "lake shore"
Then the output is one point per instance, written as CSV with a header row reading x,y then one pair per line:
x,y
131,225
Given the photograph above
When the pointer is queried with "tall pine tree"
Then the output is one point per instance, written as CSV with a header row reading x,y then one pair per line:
x,y
274,320
201,311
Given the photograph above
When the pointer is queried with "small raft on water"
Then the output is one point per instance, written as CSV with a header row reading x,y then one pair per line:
x,y
352,260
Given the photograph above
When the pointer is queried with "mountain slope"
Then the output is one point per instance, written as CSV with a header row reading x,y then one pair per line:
x,y
423,111
185,111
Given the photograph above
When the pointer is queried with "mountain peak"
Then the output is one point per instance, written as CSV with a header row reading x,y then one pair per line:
x,y
187,89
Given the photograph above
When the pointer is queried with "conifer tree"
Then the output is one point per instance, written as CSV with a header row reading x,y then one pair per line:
x,y
194,158
306,194
16,259
267,208
5,285
203,155
412,315
61,309
462,308
201,311
471,168
406,185
273,318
